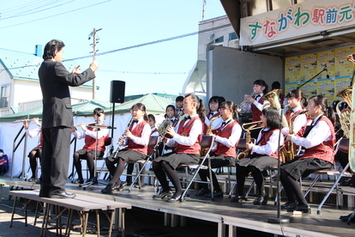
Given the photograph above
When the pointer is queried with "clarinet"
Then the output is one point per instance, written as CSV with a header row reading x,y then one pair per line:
x,y
114,155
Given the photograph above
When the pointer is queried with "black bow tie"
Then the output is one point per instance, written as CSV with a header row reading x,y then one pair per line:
x,y
187,117
225,123
134,121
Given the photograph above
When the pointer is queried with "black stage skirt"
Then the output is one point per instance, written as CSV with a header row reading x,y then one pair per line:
x,y
303,167
126,155
218,161
260,162
82,153
175,159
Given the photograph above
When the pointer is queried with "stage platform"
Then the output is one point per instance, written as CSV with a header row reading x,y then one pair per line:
x,y
227,215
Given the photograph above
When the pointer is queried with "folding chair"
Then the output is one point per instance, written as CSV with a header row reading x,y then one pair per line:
x,y
108,142
153,144
242,145
343,145
206,142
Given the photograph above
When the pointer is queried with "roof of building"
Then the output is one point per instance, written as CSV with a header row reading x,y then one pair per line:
x,y
24,66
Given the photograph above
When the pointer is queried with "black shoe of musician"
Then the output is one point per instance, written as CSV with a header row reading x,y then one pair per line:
x,y
202,192
61,194
238,199
163,194
78,181
302,208
262,200
175,198
107,190
289,205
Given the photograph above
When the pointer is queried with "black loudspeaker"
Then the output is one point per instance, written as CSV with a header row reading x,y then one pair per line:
x,y
117,91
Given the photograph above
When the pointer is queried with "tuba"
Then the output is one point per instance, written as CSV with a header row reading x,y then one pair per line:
x,y
251,126
344,115
273,98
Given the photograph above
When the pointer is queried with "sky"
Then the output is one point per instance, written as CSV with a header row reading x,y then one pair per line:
x,y
146,68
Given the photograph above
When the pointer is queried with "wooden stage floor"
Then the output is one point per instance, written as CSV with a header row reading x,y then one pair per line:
x,y
228,216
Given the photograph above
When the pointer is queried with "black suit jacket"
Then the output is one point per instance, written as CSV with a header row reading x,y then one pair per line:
x,y
55,81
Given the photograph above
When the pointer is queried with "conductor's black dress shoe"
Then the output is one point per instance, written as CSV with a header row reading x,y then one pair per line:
x,y
61,194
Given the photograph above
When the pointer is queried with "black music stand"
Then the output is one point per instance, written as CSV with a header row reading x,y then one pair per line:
x,y
94,180
278,219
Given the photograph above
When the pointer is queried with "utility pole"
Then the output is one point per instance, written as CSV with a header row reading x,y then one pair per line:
x,y
95,41
203,9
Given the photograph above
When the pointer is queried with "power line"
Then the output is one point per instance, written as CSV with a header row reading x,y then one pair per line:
x,y
59,14
152,42
133,46
36,10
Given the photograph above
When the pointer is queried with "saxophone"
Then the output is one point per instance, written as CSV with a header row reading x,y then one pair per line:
x,y
252,126
288,152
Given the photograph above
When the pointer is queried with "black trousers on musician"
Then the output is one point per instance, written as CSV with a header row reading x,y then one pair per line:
x,y
55,159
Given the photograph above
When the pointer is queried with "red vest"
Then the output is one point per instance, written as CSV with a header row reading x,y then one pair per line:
x,y
325,150
184,130
265,139
214,115
40,140
90,142
137,131
256,113
226,132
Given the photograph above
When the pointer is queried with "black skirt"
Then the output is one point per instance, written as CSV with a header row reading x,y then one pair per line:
x,y
175,159
298,168
260,162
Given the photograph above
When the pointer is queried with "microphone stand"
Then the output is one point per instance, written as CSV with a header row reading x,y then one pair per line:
x,y
278,219
324,69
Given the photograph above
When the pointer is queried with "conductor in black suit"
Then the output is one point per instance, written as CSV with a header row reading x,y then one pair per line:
x,y
57,117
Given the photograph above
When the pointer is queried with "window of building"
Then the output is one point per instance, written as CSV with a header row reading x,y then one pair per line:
x,y
232,36
4,96
219,40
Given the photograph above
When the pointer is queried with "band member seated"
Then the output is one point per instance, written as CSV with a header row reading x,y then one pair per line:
x,y
254,103
318,139
213,116
130,166
295,116
186,138
136,138
224,152
95,139
263,155
36,151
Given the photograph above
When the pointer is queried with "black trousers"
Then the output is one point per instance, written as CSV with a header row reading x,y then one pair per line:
x,y
55,159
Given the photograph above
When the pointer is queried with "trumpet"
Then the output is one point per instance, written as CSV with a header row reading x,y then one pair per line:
x,y
244,102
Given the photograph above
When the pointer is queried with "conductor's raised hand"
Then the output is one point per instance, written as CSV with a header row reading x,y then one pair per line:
x,y
76,70
94,65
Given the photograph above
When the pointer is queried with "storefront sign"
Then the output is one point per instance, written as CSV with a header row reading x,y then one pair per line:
x,y
306,18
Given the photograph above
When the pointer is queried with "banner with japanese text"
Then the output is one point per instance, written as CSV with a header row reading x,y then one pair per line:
x,y
297,20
